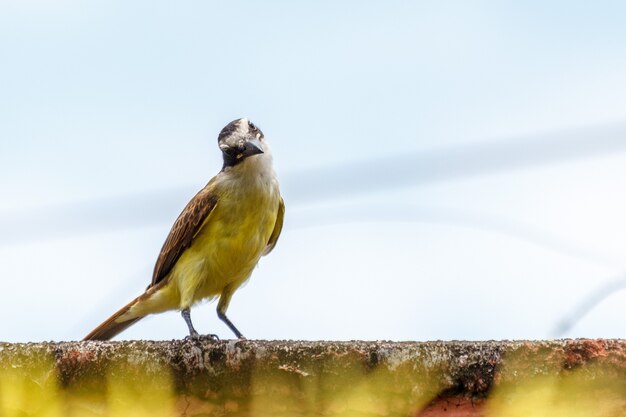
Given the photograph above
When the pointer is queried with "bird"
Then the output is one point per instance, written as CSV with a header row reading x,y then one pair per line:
x,y
218,238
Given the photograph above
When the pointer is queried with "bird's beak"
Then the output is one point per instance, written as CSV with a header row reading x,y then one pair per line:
x,y
252,147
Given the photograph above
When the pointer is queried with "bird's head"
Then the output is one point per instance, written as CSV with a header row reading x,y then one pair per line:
x,y
239,140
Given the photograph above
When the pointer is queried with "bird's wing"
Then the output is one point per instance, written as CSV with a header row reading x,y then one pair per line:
x,y
278,227
185,228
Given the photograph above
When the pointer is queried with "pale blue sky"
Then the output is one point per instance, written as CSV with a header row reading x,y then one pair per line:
x,y
121,100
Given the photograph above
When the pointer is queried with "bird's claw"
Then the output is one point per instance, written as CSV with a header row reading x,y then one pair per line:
x,y
197,336
193,335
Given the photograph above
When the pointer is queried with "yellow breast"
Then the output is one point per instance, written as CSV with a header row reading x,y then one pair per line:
x,y
230,242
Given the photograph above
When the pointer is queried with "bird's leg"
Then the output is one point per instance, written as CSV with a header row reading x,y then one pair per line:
x,y
193,334
230,324
186,313
222,306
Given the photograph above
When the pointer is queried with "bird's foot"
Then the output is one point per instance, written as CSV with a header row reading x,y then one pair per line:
x,y
193,335
212,337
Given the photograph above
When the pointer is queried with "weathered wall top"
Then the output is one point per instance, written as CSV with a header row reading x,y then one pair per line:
x,y
258,378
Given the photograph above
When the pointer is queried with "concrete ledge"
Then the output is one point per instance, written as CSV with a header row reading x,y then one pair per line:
x,y
284,378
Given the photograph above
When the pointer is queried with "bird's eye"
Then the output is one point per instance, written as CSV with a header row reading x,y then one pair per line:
x,y
252,126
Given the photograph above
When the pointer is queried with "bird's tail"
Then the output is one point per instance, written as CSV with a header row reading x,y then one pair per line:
x,y
111,327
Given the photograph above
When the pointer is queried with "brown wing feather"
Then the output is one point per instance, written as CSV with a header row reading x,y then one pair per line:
x,y
278,227
184,230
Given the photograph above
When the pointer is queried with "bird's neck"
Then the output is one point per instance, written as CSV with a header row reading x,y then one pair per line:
x,y
253,168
